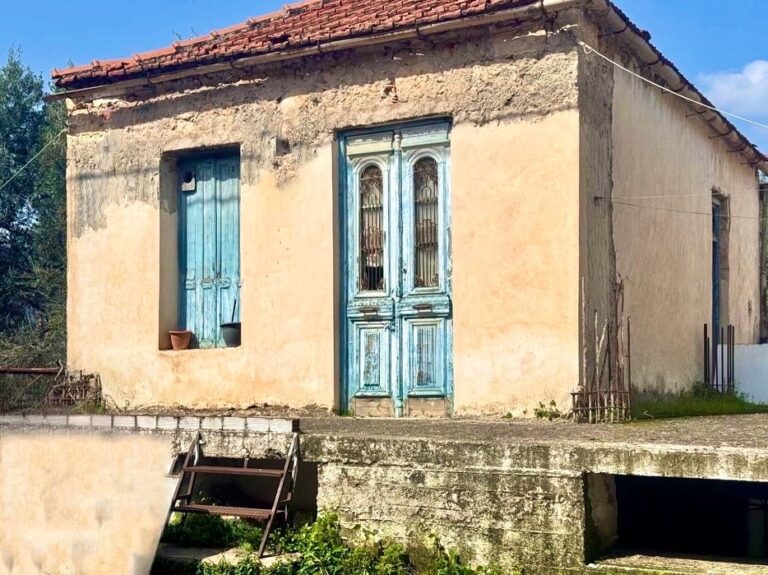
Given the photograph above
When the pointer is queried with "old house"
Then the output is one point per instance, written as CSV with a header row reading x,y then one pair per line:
x,y
405,208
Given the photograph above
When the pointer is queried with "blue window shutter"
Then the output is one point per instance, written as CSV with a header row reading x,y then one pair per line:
x,y
190,217
228,177
207,317
209,240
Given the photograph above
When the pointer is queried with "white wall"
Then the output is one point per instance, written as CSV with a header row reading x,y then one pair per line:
x,y
752,372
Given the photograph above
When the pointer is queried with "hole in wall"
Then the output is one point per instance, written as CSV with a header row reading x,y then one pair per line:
x,y
716,520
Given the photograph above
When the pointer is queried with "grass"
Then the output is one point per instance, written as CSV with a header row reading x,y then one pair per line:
x,y
701,400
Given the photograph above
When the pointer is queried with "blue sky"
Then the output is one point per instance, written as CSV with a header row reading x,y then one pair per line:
x,y
721,45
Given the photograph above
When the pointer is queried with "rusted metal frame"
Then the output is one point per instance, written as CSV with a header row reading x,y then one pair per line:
x,y
294,472
723,367
713,372
728,354
732,359
30,370
177,493
707,365
278,496
628,390
21,393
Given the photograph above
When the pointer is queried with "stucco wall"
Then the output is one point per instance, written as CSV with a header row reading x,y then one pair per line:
x,y
81,504
668,164
515,178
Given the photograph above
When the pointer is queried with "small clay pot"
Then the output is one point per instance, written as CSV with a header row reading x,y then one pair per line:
x,y
231,333
180,339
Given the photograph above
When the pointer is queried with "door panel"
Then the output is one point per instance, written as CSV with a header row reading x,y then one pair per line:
x,y
397,267
425,363
372,348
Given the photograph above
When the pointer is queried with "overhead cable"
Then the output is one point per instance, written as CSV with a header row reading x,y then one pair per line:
x,y
590,50
37,155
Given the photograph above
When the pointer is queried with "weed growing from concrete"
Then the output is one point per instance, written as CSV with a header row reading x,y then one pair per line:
x,y
320,546
549,412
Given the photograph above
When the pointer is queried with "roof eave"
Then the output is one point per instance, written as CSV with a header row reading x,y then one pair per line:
x,y
604,11
524,13
620,26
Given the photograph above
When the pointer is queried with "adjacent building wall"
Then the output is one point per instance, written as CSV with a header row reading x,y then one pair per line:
x,y
667,165
515,178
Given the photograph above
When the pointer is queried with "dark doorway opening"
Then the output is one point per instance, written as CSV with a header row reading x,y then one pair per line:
x,y
677,517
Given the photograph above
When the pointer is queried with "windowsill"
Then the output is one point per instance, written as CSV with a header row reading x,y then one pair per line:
x,y
199,351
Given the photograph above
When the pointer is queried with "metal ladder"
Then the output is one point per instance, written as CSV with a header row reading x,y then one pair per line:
x,y
191,468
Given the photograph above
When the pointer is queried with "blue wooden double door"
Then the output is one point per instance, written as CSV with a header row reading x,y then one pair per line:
x,y
397,264
209,246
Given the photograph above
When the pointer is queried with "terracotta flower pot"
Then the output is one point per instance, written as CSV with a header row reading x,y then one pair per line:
x,y
180,339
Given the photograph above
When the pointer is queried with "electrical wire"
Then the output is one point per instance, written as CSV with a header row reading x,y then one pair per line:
x,y
621,200
589,49
672,197
676,210
37,155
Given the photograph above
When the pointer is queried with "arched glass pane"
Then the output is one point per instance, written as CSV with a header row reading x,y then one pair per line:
x,y
371,230
426,204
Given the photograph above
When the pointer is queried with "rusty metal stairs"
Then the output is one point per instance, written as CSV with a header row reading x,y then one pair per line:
x,y
283,494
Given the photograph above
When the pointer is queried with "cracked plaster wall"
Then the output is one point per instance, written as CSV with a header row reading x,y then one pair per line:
x,y
512,97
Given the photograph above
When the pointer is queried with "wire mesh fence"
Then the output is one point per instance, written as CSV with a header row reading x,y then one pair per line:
x,y
48,390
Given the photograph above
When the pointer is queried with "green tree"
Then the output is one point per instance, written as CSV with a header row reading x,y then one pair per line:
x,y
21,120
32,219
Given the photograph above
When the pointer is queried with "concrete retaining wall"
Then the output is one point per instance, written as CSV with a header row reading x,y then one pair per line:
x,y
88,494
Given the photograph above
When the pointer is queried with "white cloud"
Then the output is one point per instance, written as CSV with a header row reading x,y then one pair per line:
x,y
743,92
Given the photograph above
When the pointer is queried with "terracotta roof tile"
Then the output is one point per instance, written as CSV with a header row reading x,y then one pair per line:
x,y
295,26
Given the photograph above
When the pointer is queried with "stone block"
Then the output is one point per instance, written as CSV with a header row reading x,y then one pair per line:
x,y
189,423
124,421
146,421
233,424
11,419
426,407
212,423
57,420
79,420
373,407
257,424
168,423
281,425
101,421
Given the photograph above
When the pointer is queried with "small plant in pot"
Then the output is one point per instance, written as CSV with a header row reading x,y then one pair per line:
x,y
231,331
180,339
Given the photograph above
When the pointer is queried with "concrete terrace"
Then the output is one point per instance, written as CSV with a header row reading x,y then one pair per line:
x,y
523,493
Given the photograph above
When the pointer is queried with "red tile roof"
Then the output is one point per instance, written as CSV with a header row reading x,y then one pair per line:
x,y
296,26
